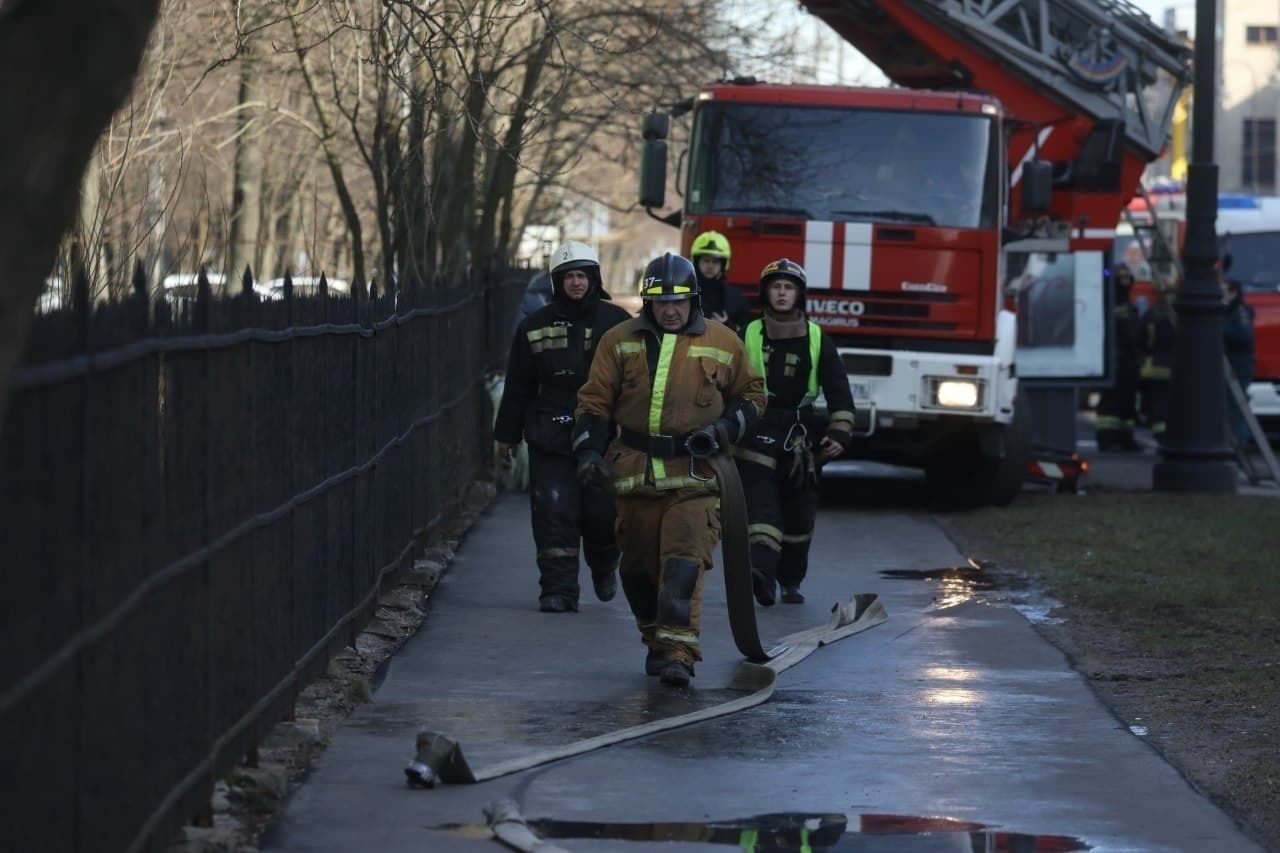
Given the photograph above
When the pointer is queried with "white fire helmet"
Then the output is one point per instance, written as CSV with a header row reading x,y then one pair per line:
x,y
573,256
576,256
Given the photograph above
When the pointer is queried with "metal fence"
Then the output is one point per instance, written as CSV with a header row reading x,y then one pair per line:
x,y
200,501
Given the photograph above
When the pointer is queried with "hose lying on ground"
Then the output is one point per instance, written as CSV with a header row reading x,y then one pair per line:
x,y
439,758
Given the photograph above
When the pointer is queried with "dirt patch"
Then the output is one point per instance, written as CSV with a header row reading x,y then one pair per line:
x,y
252,795
1186,663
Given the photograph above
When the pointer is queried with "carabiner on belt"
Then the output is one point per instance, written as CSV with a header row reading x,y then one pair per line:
x,y
794,439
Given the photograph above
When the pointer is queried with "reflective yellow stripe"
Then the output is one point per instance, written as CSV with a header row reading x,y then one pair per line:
x,y
753,456
842,417
622,485
659,396
688,638
765,534
1152,371
660,290
547,332
557,343
628,347
1112,422
558,552
796,538
681,482
721,355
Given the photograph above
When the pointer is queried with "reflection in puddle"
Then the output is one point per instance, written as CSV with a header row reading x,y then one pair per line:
x,y
954,584
799,831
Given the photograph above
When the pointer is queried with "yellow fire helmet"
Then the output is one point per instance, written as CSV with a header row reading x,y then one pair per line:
x,y
713,244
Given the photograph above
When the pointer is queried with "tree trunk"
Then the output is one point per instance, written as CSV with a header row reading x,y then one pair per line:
x,y
328,146
243,244
54,106
502,177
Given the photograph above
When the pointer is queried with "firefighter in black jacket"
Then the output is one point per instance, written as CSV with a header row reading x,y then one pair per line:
x,y
1117,407
711,255
780,457
550,359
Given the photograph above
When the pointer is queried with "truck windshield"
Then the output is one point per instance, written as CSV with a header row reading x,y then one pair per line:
x,y
831,164
1255,259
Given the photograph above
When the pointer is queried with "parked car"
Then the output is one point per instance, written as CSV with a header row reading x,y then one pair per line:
x,y
183,287
51,297
302,286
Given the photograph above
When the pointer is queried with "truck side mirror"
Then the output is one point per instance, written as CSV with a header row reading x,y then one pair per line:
x,y
656,125
1037,186
653,160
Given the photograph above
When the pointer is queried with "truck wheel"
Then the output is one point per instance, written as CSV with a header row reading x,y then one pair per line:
x,y
977,481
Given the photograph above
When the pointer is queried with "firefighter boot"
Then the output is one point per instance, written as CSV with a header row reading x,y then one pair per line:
x,y
765,587
606,586
791,594
557,604
654,662
677,673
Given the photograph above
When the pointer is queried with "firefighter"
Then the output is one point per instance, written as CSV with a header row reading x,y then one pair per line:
x,y
550,358
1158,335
1118,404
667,377
781,455
1237,345
711,255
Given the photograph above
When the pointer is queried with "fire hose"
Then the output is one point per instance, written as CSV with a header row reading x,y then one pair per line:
x,y
439,758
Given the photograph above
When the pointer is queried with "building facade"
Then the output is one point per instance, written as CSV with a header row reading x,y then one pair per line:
x,y
1248,96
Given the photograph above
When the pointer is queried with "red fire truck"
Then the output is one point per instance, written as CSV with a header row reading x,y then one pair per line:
x,y
994,178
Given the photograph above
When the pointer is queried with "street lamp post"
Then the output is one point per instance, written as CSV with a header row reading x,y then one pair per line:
x,y
1194,452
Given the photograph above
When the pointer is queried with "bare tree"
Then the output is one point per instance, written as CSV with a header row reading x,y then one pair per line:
x,y
66,67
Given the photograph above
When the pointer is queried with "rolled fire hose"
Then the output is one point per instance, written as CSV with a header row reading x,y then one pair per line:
x,y
439,758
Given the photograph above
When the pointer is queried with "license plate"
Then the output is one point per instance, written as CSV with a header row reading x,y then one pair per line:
x,y
861,391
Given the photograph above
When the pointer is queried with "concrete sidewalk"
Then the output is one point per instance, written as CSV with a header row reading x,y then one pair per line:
x,y
954,708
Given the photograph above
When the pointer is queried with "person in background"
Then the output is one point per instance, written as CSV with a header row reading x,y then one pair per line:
x,y
781,455
1117,409
711,254
669,379
550,359
1157,344
1237,345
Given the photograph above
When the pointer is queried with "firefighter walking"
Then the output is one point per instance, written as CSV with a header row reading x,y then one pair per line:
x,y
665,378
550,359
780,456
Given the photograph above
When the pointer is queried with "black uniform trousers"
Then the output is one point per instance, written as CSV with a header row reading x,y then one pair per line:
x,y
782,498
565,516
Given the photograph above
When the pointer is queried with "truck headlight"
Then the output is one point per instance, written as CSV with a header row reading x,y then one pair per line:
x,y
956,393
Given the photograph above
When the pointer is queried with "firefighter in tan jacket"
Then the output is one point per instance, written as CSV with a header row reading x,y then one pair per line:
x,y
661,378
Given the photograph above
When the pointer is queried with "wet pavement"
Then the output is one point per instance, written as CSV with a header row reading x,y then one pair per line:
x,y
952,726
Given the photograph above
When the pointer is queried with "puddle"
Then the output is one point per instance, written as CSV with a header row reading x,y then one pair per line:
x,y
979,580
953,584
803,831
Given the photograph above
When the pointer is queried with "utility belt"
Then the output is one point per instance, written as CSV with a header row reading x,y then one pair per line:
x,y
662,446
557,398
786,417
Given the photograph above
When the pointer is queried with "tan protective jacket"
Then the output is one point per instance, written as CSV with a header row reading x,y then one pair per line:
x,y
698,371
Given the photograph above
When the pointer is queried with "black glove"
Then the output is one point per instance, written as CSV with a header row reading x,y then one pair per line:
x,y
706,440
593,471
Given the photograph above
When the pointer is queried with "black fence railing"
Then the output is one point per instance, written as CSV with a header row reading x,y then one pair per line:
x,y
200,499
